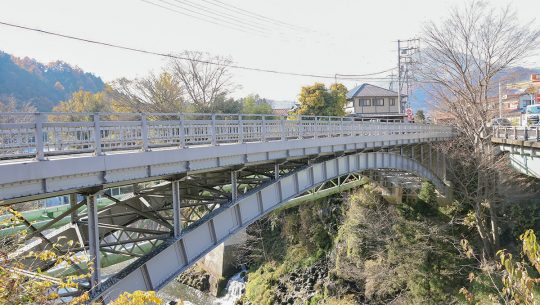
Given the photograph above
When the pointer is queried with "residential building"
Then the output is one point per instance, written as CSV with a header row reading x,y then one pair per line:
x,y
372,102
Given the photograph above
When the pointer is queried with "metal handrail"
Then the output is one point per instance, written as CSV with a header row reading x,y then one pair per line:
x,y
526,133
45,134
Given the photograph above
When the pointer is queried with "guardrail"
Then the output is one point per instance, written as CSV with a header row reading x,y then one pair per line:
x,y
47,134
518,133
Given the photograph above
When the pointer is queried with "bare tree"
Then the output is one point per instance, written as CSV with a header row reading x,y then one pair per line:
x,y
154,93
464,53
9,105
203,77
462,56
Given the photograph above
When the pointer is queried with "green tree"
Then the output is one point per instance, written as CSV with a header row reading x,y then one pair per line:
x,y
253,104
419,117
427,193
222,104
318,100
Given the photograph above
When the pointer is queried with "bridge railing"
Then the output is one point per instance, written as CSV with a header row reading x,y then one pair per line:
x,y
526,133
47,134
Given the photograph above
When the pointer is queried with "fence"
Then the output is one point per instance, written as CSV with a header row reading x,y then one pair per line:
x,y
47,134
518,133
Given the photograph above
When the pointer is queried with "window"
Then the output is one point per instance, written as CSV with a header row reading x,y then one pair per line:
x,y
392,102
378,102
364,102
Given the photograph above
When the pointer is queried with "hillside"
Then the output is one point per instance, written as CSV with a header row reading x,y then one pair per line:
x,y
420,96
43,85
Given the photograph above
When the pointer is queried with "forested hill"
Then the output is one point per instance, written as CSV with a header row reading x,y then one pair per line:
x,y
43,85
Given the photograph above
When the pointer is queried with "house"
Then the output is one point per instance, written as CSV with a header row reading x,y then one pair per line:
x,y
281,111
372,102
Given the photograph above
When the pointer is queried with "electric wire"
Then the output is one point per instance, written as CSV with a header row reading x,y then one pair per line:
x,y
195,17
221,14
214,19
167,55
255,15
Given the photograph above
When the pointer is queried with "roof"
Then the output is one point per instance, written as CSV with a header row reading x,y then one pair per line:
x,y
369,90
282,111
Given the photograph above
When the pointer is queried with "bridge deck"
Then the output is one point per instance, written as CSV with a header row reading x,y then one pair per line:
x,y
74,156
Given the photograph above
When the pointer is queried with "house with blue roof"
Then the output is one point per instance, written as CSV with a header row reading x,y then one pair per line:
x,y
372,102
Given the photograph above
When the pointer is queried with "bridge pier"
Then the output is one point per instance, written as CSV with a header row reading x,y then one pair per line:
x,y
220,262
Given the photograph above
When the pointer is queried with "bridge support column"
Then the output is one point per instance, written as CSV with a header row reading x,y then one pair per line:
x,y
176,203
220,263
398,194
430,157
234,185
93,239
421,154
276,171
72,203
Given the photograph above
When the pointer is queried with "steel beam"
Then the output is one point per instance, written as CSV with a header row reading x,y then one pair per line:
x,y
93,239
176,203
234,184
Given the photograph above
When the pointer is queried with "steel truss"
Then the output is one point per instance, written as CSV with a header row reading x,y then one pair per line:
x,y
124,228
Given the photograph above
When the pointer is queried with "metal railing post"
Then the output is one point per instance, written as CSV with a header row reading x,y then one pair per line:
x,y
526,134
505,132
240,129
515,133
144,132
97,135
263,128
182,131
282,126
40,150
300,127
213,129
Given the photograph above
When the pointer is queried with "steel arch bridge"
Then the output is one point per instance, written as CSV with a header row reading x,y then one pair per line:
x,y
191,182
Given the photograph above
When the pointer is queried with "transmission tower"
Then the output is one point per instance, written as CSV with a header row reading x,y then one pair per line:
x,y
407,51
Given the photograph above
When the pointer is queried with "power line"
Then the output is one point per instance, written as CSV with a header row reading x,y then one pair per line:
x,y
206,17
223,14
369,74
137,50
196,9
250,14
195,17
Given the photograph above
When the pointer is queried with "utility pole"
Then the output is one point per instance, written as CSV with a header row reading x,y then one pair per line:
x,y
399,74
407,49
500,100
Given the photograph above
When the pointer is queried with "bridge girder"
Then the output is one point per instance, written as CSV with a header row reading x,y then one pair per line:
x,y
136,225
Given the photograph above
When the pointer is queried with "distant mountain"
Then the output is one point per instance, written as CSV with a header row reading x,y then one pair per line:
x,y
420,98
43,85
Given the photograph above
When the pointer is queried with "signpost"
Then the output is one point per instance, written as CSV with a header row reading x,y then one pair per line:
x,y
410,115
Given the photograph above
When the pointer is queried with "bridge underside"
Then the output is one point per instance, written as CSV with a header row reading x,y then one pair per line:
x,y
524,156
179,220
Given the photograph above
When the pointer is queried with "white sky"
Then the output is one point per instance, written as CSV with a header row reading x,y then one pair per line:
x,y
349,36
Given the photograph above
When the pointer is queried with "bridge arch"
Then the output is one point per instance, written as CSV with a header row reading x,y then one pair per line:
x,y
154,270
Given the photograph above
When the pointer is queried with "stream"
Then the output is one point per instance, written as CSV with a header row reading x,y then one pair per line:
x,y
192,296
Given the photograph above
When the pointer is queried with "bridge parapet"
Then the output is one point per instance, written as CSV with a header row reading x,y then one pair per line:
x,y
39,135
523,133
